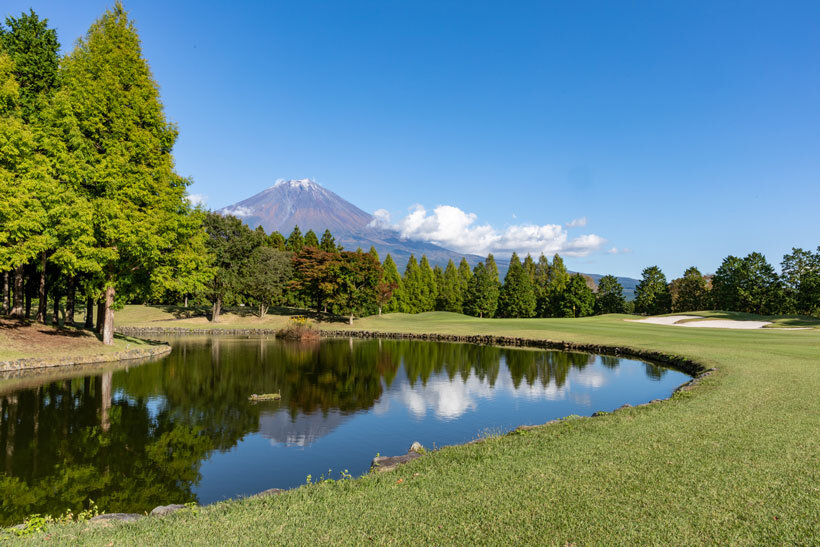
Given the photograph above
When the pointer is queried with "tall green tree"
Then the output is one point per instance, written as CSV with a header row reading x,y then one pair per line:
x,y
358,276
579,300
316,276
311,240
328,242
516,298
295,241
610,297
557,284
690,292
540,286
801,277
277,241
269,271
429,288
465,272
450,297
230,244
481,299
392,278
652,293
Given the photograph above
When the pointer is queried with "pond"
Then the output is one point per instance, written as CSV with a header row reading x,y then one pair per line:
x,y
182,429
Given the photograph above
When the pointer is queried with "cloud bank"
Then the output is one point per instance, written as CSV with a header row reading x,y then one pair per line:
x,y
455,229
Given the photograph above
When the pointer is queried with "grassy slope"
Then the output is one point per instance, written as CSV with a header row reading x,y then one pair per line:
x,y
736,460
778,321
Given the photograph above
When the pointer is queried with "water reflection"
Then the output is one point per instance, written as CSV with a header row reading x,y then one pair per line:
x,y
182,429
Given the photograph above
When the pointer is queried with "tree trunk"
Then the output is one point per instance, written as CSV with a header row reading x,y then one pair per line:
x,y
42,307
28,306
216,309
380,310
108,323
55,319
69,300
263,309
17,307
5,293
89,313
350,320
100,314
186,300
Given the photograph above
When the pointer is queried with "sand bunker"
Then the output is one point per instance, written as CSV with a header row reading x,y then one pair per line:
x,y
702,322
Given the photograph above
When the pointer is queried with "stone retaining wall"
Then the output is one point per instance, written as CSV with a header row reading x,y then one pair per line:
x,y
47,362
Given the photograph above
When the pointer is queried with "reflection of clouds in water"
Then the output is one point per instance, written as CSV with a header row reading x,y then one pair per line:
x,y
589,378
448,399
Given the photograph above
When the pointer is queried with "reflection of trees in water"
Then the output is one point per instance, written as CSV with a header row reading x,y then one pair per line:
x,y
67,442
134,439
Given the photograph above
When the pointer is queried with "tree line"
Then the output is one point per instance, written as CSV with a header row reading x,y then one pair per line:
x,y
749,284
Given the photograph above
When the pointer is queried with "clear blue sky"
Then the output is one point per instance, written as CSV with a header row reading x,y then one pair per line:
x,y
682,131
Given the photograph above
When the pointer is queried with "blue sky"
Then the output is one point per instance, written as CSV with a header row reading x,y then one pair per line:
x,y
681,132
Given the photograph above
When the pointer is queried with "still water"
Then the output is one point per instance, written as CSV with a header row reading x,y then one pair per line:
x,y
182,429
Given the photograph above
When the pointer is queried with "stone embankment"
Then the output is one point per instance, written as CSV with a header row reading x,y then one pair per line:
x,y
28,363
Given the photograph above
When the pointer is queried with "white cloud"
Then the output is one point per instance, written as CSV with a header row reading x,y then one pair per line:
x,y
577,223
615,251
238,211
455,229
197,199
381,219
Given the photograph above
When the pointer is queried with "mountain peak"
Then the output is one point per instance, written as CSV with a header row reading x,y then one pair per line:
x,y
296,183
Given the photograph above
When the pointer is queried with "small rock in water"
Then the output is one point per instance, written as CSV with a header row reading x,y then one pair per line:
x,y
389,463
163,510
416,447
120,517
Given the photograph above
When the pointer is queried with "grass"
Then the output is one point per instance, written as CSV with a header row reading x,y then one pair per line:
x,y
778,321
19,340
735,460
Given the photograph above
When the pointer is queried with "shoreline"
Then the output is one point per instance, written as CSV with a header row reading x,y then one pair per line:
x,y
35,363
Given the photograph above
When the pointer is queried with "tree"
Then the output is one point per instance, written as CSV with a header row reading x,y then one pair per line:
x,y
277,241
114,146
652,293
295,241
579,300
557,283
481,299
315,275
358,275
748,285
449,295
328,243
801,277
689,293
517,298
428,290
269,273
412,299
529,268
610,298
311,240
492,269
230,243
464,275
540,286
391,282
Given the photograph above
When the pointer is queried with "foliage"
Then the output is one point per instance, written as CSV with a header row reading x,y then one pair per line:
x,y
481,299
689,293
517,297
268,276
610,297
747,285
652,294
578,300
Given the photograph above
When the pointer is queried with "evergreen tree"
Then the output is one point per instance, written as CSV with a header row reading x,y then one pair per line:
x,y
801,276
652,293
517,298
529,268
689,293
482,293
311,240
277,241
411,287
579,300
492,269
429,288
749,285
113,147
295,241
610,297
464,275
557,286
541,287
357,276
450,296
328,243
390,276
438,279
268,273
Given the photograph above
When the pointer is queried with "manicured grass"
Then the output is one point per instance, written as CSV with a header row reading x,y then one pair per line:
x,y
736,460
19,340
197,317
778,321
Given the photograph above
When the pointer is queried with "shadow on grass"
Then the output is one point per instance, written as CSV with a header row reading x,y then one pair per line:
x,y
777,320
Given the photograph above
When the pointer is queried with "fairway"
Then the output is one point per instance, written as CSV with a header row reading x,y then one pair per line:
x,y
734,460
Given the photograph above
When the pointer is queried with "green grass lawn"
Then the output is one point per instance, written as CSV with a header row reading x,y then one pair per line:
x,y
778,321
735,460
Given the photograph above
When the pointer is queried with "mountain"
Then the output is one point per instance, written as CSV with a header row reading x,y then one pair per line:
x,y
306,204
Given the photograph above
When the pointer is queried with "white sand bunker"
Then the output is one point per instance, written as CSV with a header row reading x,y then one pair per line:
x,y
697,321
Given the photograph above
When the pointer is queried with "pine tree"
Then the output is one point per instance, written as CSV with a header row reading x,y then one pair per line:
x,y
482,293
540,287
492,269
411,290
114,145
311,240
610,297
295,241
557,286
579,300
328,243
652,293
277,241
516,298
390,275
464,275
429,289
529,268
450,296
